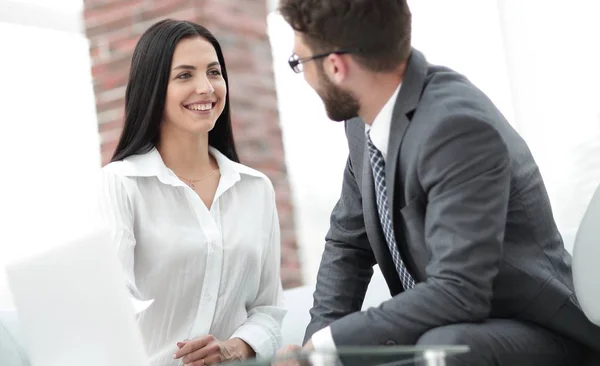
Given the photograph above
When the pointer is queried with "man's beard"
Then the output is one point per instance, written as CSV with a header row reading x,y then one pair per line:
x,y
340,105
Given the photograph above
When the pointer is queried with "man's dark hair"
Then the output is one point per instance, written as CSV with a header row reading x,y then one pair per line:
x,y
379,29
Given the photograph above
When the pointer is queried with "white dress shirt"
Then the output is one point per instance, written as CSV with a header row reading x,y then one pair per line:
x,y
380,134
211,271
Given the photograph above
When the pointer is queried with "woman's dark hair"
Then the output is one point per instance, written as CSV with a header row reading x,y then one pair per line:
x,y
147,90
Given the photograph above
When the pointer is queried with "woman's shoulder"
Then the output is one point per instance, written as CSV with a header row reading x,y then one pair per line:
x,y
254,176
247,175
253,184
119,168
122,170
118,174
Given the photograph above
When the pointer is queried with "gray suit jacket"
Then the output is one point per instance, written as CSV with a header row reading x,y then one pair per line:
x,y
472,221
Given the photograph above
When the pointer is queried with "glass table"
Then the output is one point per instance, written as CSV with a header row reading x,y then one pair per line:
x,y
364,356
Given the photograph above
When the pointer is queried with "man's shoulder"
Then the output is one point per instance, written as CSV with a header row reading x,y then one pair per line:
x,y
447,93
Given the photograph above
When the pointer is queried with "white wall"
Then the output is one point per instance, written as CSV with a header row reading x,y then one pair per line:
x,y
534,59
553,55
50,144
315,150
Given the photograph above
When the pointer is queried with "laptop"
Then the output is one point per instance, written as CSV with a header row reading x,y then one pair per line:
x,y
74,308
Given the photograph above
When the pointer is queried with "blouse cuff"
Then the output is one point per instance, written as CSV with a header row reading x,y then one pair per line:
x,y
262,340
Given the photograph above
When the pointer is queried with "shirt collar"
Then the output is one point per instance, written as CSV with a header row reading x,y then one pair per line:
x,y
151,164
380,129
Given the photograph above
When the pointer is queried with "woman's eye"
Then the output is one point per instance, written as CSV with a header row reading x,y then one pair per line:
x,y
184,76
214,72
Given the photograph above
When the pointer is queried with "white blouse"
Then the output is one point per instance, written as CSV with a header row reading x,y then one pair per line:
x,y
211,271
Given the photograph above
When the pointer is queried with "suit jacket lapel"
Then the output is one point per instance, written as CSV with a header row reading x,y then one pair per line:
x,y
406,102
373,226
408,99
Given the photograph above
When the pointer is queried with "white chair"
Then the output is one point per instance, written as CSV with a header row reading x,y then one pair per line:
x,y
12,350
298,302
586,257
586,271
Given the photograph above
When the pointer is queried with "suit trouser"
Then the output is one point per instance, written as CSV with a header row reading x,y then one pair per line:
x,y
505,342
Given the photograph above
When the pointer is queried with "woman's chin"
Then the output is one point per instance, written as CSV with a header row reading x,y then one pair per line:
x,y
200,127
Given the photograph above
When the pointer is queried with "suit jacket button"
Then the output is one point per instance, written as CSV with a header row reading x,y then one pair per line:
x,y
390,343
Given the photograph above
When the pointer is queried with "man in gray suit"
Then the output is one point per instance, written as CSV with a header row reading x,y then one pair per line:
x,y
441,192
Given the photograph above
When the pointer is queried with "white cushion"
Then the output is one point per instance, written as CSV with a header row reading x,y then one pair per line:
x,y
298,302
12,351
586,260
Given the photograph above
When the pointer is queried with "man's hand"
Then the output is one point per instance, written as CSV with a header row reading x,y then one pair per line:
x,y
289,351
308,347
208,350
290,348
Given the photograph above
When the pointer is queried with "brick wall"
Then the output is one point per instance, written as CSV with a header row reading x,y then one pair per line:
x,y
113,28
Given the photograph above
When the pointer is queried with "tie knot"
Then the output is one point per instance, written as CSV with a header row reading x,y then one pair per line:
x,y
373,150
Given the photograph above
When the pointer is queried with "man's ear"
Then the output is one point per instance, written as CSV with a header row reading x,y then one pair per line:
x,y
336,67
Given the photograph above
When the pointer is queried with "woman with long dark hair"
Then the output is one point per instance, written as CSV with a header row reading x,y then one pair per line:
x,y
196,231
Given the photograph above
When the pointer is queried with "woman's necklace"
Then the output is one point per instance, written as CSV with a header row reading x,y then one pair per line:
x,y
192,183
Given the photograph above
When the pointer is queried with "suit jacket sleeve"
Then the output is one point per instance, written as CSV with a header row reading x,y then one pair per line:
x,y
464,169
347,262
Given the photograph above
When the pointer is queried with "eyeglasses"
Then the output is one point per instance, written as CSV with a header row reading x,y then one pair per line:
x,y
296,62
